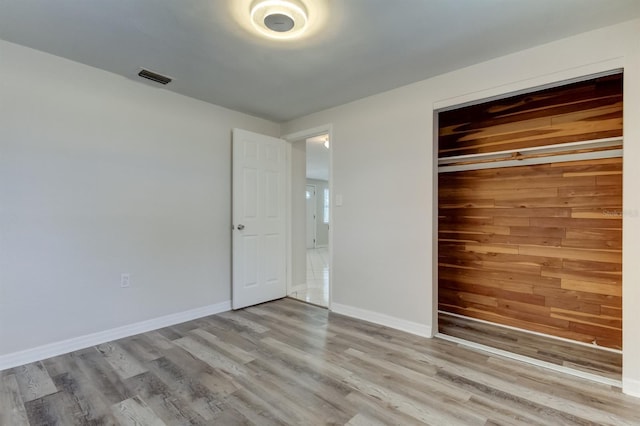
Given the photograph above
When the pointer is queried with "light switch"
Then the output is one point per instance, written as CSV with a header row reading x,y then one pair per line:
x,y
338,200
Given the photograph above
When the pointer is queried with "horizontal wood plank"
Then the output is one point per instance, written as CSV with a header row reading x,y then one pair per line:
x,y
552,257
575,112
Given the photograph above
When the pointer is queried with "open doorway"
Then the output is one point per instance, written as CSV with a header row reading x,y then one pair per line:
x,y
310,210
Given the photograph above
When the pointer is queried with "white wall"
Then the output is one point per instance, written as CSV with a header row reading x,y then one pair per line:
x,y
101,175
387,141
322,229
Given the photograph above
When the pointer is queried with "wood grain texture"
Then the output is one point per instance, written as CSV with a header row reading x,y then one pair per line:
x,y
134,412
285,363
553,270
34,382
12,411
540,246
576,112
123,362
578,357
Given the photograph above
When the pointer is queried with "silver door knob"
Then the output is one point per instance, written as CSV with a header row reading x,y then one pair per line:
x,y
240,227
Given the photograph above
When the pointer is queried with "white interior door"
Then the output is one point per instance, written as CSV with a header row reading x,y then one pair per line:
x,y
311,216
259,220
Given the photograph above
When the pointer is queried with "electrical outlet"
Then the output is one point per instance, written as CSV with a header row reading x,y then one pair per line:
x,y
125,280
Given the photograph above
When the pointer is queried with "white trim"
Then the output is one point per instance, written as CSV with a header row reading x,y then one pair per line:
x,y
435,225
611,66
289,216
76,343
532,361
536,333
595,155
418,329
631,386
332,209
309,133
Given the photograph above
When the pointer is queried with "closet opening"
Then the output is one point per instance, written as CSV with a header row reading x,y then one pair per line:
x,y
530,226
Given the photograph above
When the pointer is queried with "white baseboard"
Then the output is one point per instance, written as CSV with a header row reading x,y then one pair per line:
x,y
383,319
631,387
65,346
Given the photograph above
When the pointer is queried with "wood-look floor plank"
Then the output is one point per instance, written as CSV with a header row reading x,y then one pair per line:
x,y
34,381
442,395
411,378
328,393
186,387
12,411
211,357
135,412
88,406
499,413
95,368
600,397
565,398
306,326
243,322
219,370
169,333
380,410
125,364
404,404
157,340
140,348
423,411
231,416
231,350
313,342
163,400
259,411
459,367
301,406
214,380
549,413
53,409
324,403
220,328
363,420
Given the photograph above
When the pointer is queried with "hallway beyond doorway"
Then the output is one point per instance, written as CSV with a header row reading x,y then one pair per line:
x,y
316,289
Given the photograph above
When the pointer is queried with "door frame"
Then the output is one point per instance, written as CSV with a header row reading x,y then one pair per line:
x,y
292,138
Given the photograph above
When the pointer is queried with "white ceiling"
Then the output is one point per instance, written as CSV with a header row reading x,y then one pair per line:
x,y
363,47
317,158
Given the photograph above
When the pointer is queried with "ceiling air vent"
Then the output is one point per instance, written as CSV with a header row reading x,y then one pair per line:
x,y
150,75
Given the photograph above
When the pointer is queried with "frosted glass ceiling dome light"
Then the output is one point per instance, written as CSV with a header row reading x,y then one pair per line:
x,y
283,19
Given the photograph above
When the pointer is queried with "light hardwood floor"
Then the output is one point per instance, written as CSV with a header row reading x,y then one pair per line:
x,y
286,362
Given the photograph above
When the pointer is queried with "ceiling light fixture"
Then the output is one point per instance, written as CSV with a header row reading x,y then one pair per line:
x,y
326,142
281,19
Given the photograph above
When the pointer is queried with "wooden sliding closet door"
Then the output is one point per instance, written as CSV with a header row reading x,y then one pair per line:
x,y
536,246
